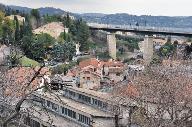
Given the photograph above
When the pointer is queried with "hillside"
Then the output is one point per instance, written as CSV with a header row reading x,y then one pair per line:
x,y
121,18
43,11
126,19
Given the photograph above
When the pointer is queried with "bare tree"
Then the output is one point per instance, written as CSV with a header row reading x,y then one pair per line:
x,y
16,87
165,94
161,95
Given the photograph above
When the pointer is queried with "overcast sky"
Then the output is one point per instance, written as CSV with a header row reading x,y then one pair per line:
x,y
138,7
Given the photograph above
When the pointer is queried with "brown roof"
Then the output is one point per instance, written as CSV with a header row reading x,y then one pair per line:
x,y
72,72
18,79
98,63
93,62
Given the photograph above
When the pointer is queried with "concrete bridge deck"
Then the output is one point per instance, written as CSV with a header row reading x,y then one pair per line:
x,y
142,30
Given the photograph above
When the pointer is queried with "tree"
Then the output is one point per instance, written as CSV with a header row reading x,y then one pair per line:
x,y
167,49
2,16
37,47
26,45
22,27
8,29
64,37
82,35
35,13
64,51
68,21
41,45
11,104
27,28
166,90
17,29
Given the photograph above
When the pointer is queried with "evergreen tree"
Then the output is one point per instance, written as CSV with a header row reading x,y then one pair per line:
x,y
82,35
64,35
68,21
35,13
22,29
17,31
27,28
7,30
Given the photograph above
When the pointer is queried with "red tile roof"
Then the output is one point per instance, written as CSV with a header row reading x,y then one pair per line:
x,y
98,64
93,62
19,77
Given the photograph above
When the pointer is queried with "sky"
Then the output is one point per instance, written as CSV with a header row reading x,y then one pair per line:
x,y
136,7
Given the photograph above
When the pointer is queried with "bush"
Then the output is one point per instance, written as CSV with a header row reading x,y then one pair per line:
x,y
63,68
24,61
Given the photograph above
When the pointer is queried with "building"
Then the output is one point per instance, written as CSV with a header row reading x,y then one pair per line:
x,y
20,18
71,107
93,72
54,29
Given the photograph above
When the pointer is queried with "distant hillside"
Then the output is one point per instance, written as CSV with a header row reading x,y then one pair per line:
x,y
126,19
43,11
22,9
120,18
94,14
51,11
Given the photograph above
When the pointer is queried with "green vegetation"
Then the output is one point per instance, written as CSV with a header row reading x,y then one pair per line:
x,y
35,13
24,61
104,56
129,60
167,49
51,18
37,47
128,42
64,51
42,46
156,60
65,37
63,68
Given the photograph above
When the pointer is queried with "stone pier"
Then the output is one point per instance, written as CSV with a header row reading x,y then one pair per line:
x,y
111,41
148,49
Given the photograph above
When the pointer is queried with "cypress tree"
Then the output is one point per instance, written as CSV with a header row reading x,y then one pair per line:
x,y
17,31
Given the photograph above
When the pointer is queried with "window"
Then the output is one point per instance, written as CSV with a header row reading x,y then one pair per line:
x,y
34,123
84,98
63,110
71,94
69,113
66,111
48,104
99,103
30,122
55,107
84,119
88,78
43,102
118,74
105,105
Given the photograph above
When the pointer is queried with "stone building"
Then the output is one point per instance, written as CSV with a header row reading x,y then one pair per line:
x,y
94,71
